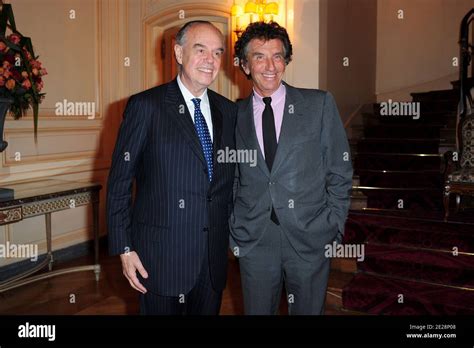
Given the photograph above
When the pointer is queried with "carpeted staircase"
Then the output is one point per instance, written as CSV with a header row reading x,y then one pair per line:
x,y
415,263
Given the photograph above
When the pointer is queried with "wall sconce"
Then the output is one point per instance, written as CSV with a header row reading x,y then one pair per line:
x,y
252,11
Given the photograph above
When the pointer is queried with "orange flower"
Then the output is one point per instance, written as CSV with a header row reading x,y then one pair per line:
x,y
10,84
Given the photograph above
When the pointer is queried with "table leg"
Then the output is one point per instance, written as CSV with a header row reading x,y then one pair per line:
x,y
446,205
48,240
458,202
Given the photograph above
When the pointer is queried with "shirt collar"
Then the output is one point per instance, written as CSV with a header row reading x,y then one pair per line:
x,y
188,96
276,96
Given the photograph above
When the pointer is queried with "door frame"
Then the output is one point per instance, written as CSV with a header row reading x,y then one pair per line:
x,y
154,26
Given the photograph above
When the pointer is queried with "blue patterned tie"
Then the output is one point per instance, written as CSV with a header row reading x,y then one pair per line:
x,y
203,134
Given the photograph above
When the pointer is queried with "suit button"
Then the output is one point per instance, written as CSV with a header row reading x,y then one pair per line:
x,y
205,229
209,198
271,183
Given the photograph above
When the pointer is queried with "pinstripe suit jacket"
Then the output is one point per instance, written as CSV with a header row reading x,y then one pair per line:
x,y
175,210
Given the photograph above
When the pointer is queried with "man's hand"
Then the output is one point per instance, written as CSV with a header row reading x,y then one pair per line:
x,y
130,265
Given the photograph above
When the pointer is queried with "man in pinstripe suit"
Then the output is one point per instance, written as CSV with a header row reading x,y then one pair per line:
x,y
173,239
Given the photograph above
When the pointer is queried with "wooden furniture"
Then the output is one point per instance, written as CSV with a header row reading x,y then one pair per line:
x,y
44,198
459,188
459,175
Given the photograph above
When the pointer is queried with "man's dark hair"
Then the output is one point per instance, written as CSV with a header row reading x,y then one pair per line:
x,y
263,31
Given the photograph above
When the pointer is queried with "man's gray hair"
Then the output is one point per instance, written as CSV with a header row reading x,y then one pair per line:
x,y
181,35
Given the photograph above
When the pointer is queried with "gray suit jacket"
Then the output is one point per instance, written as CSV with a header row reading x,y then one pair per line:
x,y
309,184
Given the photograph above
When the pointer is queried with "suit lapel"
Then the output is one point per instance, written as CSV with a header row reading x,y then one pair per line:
x,y
179,113
216,128
249,134
289,127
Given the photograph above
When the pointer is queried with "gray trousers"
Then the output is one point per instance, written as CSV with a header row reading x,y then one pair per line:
x,y
272,262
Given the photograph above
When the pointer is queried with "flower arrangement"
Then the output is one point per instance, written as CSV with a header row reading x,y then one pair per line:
x,y
21,72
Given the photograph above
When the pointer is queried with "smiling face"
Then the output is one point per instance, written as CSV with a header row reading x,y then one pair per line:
x,y
265,62
200,57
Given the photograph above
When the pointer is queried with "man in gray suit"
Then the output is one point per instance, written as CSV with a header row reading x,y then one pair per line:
x,y
295,201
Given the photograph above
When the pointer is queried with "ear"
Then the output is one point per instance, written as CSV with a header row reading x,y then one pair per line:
x,y
245,67
178,52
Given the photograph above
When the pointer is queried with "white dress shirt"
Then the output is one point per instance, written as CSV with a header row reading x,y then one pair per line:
x,y
205,105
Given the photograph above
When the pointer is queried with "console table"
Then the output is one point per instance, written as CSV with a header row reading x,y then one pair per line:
x,y
43,198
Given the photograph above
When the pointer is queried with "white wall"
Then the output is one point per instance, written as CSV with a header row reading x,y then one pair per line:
x,y
304,30
84,59
348,30
416,53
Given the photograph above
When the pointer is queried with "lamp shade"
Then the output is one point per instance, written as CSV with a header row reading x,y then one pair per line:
x,y
250,7
271,8
236,10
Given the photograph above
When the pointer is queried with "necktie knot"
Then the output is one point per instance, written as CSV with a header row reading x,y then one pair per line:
x,y
267,101
197,102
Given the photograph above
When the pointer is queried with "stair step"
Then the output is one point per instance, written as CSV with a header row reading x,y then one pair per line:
x,y
410,231
358,200
397,211
412,199
469,81
394,162
420,265
447,94
400,179
398,146
448,133
429,239
435,105
391,154
402,132
355,180
400,140
381,295
436,118
337,281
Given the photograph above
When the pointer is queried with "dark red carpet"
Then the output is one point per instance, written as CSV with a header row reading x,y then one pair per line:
x,y
415,263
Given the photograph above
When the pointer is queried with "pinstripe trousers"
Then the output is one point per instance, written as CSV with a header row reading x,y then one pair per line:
x,y
201,300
